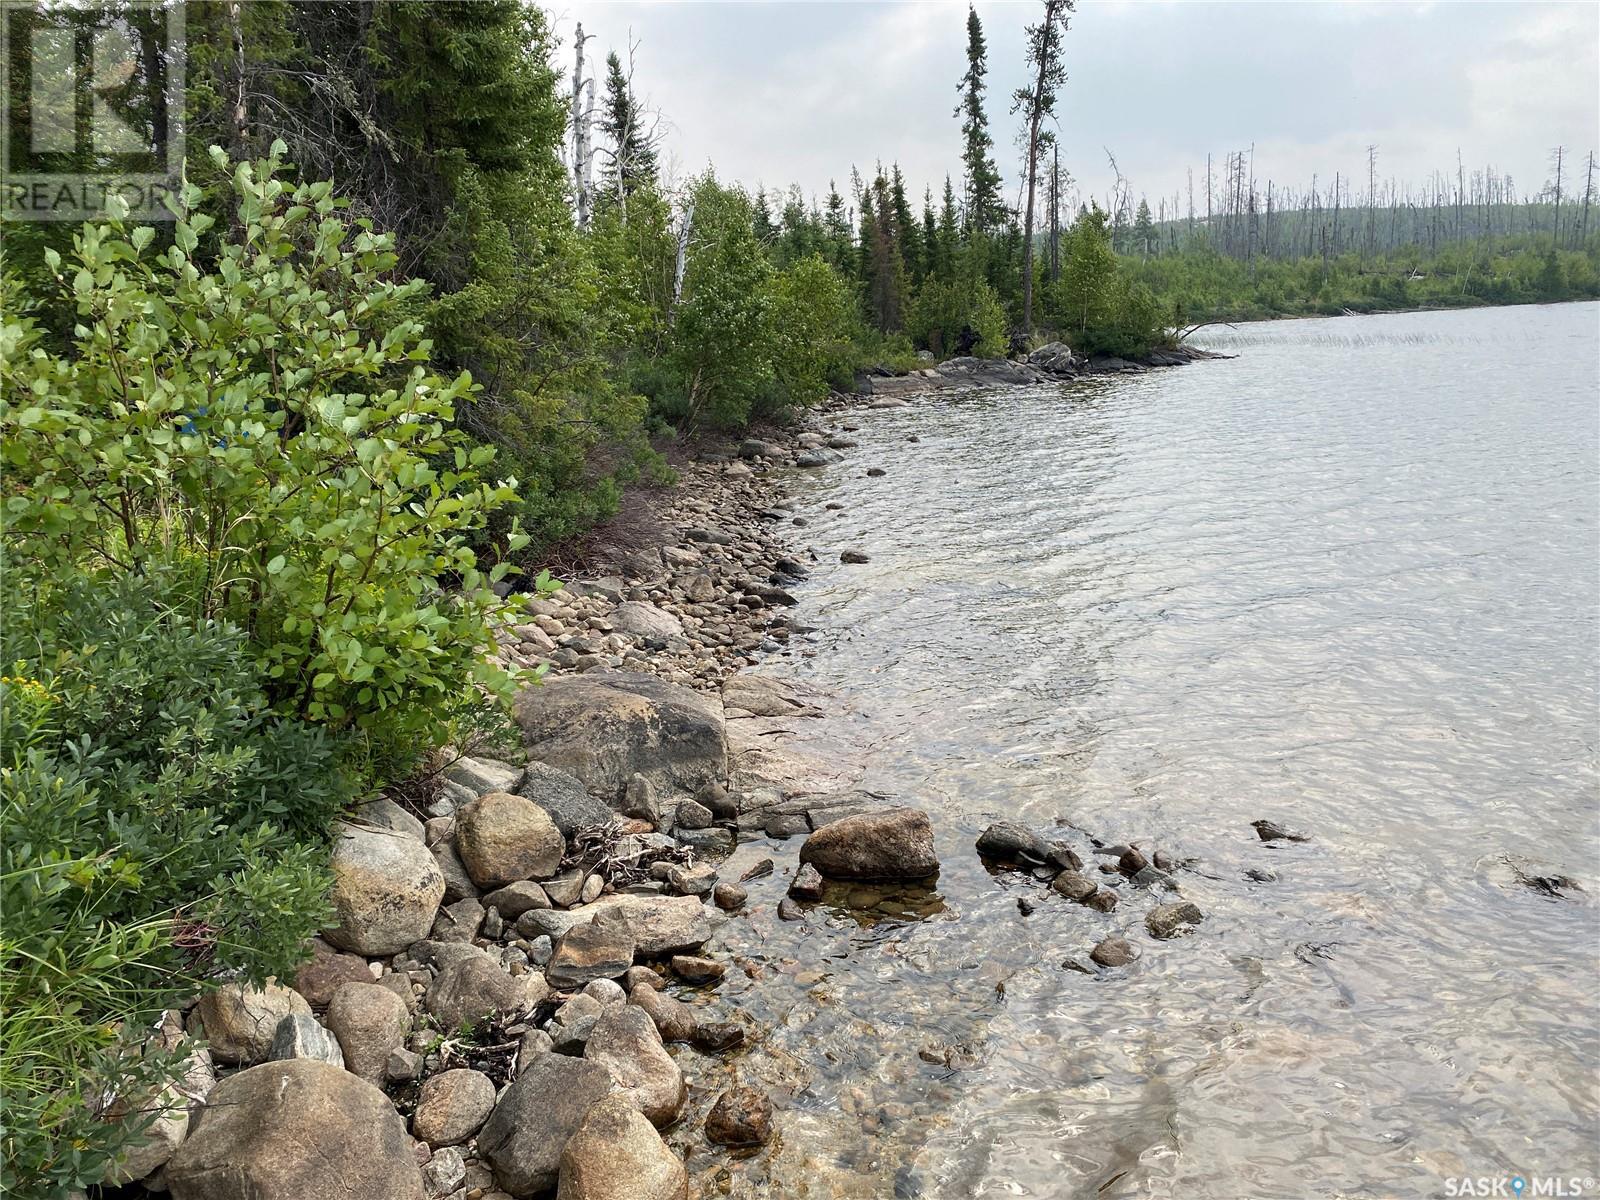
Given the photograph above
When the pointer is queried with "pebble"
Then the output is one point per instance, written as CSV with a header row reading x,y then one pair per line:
x,y
729,897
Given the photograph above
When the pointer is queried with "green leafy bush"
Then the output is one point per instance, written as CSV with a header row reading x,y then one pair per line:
x,y
163,828
814,319
261,411
945,310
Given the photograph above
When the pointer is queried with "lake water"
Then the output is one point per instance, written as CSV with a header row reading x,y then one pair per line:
x,y
1349,581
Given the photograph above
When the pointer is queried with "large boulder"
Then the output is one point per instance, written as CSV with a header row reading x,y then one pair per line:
x,y
292,1130
239,1022
371,1023
563,798
615,1154
606,726
624,1041
386,887
467,991
663,925
502,838
639,619
535,1116
598,949
895,843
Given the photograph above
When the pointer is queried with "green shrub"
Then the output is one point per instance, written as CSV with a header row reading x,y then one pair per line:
x,y
944,309
262,412
814,317
163,828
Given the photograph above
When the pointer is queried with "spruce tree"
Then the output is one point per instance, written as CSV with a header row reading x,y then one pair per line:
x,y
948,238
906,232
633,159
982,180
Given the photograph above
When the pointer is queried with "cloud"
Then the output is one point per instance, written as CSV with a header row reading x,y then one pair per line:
x,y
800,92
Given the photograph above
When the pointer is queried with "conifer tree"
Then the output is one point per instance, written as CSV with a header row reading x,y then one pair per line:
x,y
982,177
633,158
907,236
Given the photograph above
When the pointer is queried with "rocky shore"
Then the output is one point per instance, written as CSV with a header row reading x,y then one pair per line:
x,y
1053,363
515,998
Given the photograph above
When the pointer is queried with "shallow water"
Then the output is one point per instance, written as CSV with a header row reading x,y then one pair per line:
x,y
1348,581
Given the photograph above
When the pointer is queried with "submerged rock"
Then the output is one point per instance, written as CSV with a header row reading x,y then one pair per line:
x,y
742,1116
1009,841
1271,831
1170,920
896,843
807,883
1114,951
1073,886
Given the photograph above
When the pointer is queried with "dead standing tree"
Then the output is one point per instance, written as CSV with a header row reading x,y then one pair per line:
x,y
582,117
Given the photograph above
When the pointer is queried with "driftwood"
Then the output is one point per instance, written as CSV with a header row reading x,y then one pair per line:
x,y
619,857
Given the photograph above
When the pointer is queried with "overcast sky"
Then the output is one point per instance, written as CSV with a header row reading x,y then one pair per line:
x,y
797,92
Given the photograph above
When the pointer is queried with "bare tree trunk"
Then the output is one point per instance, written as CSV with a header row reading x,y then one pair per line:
x,y
1035,115
241,116
1055,211
581,155
682,262
1588,192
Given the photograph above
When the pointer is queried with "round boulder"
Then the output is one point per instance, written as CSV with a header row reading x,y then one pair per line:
x,y
452,1106
467,991
502,838
625,1042
896,843
371,1023
386,887
615,1154
289,1130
